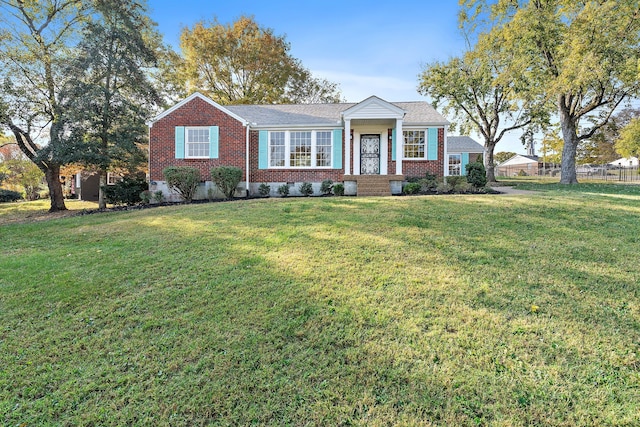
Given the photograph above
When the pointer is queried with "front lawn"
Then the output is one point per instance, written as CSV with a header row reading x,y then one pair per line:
x,y
427,310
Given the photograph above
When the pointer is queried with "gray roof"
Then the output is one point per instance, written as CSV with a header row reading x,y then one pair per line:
x,y
463,144
418,112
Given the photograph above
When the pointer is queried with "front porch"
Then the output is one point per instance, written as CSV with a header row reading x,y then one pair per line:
x,y
373,185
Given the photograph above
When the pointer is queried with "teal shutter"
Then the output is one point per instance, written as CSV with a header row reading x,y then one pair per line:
x,y
432,144
263,149
463,163
337,149
179,142
393,144
214,137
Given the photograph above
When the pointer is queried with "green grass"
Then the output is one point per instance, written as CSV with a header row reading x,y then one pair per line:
x,y
430,310
36,211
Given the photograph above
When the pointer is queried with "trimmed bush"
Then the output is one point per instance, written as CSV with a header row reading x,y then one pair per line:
x,y
183,180
338,189
158,196
264,190
226,178
145,197
476,174
9,196
283,190
125,192
326,186
306,189
412,188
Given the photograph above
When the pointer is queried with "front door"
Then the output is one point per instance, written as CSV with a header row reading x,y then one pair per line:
x,y
370,155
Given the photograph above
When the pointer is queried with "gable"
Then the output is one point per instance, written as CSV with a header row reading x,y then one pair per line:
x,y
373,108
190,99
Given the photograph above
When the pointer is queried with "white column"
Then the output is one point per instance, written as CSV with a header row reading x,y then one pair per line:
x,y
347,147
399,146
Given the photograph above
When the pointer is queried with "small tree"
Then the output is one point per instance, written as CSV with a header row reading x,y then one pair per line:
x,y
476,174
182,179
226,178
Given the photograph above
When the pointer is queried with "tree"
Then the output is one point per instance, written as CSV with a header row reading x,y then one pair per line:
x,y
470,90
503,156
629,143
247,64
35,37
581,55
107,105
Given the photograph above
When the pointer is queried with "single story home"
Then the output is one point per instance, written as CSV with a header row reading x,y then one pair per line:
x,y
520,164
370,146
625,162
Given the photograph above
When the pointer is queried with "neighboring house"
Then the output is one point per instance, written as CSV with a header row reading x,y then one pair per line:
x,y
625,162
520,164
462,150
86,184
370,146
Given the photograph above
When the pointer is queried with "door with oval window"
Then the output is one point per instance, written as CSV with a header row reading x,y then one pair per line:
x,y
370,155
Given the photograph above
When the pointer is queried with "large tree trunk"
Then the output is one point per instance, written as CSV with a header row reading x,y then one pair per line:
x,y
489,161
52,175
570,137
102,202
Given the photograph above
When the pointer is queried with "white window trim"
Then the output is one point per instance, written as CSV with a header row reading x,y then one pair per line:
x,y
449,163
426,135
186,141
287,149
113,178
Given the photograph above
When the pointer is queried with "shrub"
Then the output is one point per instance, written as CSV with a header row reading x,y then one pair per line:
x,y
412,188
125,192
455,180
326,186
522,173
264,190
476,174
444,188
306,189
226,179
182,179
9,196
283,190
145,197
158,196
338,189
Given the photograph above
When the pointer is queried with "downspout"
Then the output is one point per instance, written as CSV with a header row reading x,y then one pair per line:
x,y
445,161
247,160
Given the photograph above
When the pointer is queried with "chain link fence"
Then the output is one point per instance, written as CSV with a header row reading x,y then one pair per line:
x,y
604,172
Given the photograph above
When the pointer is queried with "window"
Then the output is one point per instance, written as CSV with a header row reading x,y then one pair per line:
x,y
455,161
323,148
196,142
113,178
300,149
414,144
277,149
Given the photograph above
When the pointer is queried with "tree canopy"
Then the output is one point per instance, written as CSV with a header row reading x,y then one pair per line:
x,y
629,143
111,97
244,63
469,89
581,56
35,40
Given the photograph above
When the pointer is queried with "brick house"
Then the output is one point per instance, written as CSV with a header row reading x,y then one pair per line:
x,y
353,143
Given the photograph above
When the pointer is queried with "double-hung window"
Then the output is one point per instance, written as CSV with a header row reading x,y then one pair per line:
x,y
414,144
197,142
300,149
455,163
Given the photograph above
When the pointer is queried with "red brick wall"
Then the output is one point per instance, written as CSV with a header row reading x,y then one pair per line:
x,y
288,175
196,113
411,168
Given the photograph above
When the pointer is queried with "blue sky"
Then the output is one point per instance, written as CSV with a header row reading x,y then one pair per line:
x,y
367,48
